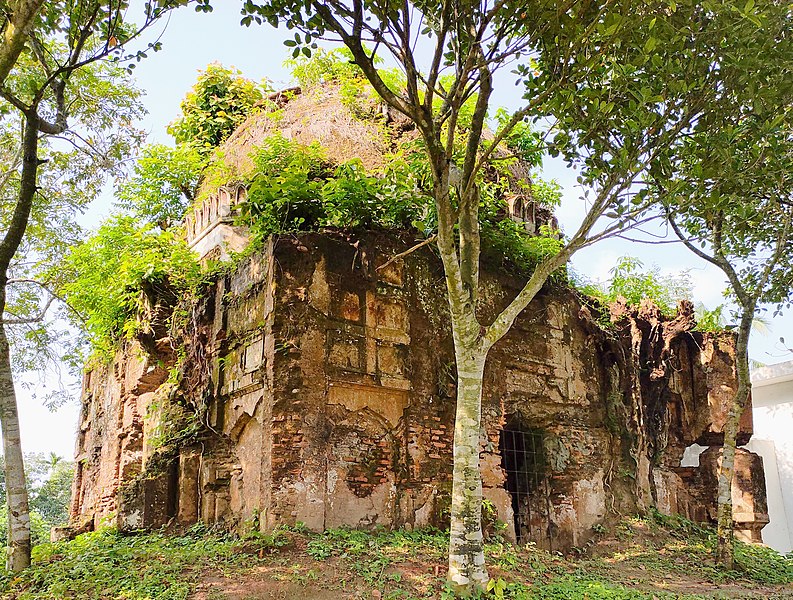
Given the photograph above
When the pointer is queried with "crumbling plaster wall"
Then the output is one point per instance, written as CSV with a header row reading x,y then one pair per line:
x,y
331,401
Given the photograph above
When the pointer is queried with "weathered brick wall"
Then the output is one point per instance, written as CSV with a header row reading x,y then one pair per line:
x,y
332,403
111,438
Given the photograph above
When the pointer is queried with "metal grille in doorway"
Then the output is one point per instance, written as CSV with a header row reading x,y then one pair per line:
x,y
524,462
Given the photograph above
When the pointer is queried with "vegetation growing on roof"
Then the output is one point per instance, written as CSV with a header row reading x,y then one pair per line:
x,y
217,104
338,67
166,179
631,280
295,188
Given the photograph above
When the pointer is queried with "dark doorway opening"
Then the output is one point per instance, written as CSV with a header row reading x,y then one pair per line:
x,y
172,508
524,462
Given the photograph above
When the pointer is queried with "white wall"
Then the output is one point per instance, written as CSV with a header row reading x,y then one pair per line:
x,y
772,404
777,533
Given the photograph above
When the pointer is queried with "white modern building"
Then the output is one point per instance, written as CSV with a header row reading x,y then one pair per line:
x,y
772,403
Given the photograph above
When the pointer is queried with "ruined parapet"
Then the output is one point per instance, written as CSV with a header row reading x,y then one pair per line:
x,y
687,382
210,225
329,388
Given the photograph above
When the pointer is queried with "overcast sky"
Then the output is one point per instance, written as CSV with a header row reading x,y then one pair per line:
x,y
192,40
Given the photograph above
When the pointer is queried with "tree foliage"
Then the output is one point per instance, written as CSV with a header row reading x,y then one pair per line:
x,y
726,191
70,177
44,89
104,277
164,182
220,100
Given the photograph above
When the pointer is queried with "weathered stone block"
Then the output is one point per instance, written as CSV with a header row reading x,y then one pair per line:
x,y
347,351
188,487
348,307
389,404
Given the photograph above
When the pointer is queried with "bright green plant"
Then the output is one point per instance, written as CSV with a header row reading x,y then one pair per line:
x,y
295,188
711,320
104,276
283,195
220,100
324,66
164,182
217,172
521,139
546,193
320,66
166,179
630,280
351,197
106,564
507,242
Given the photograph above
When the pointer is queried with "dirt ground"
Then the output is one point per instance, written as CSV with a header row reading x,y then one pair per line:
x,y
635,561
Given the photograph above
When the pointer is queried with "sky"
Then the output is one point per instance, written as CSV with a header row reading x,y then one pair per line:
x,y
193,40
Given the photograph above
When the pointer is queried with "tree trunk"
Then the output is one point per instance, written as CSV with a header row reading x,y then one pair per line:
x,y
725,554
467,572
16,491
20,22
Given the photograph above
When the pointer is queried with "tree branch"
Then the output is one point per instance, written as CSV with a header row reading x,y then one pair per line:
x,y
53,295
26,320
366,64
27,189
418,246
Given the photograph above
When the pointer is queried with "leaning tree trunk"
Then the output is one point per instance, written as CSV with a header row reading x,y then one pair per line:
x,y
467,572
18,557
725,553
16,490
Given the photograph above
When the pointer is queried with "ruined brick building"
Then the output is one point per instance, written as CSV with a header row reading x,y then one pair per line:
x,y
319,388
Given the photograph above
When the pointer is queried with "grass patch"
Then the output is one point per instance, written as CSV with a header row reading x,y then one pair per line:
x,y
107,564
651,558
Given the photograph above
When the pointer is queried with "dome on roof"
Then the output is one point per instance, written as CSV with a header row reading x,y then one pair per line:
x,y
369,131
319,115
